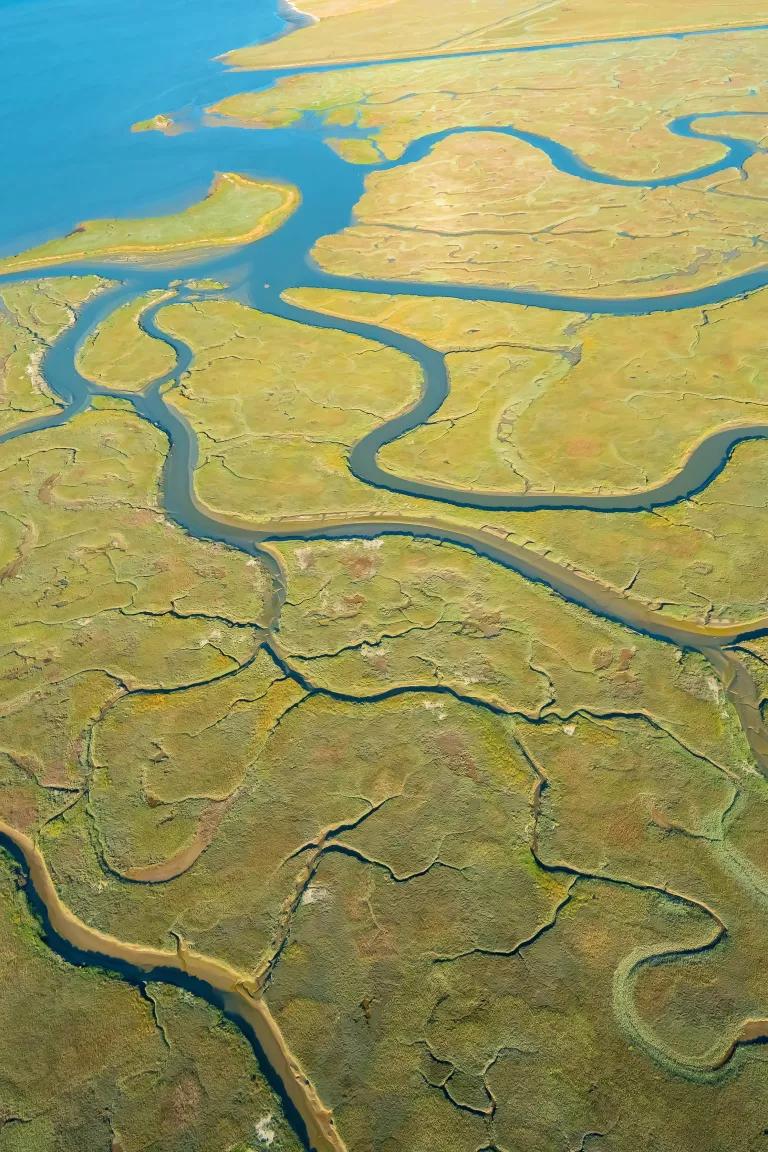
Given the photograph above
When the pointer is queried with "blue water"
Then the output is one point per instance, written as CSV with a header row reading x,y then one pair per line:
x,y
735,152
74,76
555,46
138,64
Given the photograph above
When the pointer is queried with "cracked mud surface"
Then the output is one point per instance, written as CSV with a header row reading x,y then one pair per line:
x,y
340,812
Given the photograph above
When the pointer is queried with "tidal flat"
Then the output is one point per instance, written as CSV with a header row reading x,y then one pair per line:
x,y
384,648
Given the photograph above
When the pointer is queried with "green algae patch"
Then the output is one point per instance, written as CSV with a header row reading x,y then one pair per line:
x,y
32,316
120,354
236,211
90,1062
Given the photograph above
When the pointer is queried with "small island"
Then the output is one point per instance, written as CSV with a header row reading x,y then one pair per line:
x,y
236,211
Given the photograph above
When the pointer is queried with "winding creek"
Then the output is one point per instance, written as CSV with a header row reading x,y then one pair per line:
x,y
260,274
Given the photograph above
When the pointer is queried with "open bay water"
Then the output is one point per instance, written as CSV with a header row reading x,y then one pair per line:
x,y
76,74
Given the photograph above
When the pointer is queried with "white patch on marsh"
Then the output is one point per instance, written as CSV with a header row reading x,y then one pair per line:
x,y
368,651
303,557
211,638
714,687
265,1132
569,729
33,369
315,894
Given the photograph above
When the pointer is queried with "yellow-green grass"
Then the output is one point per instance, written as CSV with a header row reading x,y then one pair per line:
x,y
33,315
236,211
615,99
274,445
90,1062
486,209
546,401
365,616
100,596
120,354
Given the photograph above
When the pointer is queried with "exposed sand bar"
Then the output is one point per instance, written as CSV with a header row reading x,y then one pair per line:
x,y
232,984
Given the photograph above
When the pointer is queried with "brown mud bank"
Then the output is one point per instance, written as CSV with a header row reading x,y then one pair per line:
x,y
232,989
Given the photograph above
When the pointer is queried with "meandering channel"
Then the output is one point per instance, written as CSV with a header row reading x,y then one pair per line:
x,y
260,274
216,981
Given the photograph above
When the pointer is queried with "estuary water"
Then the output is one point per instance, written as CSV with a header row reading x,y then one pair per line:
x,y
123,172
75,75
100,168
